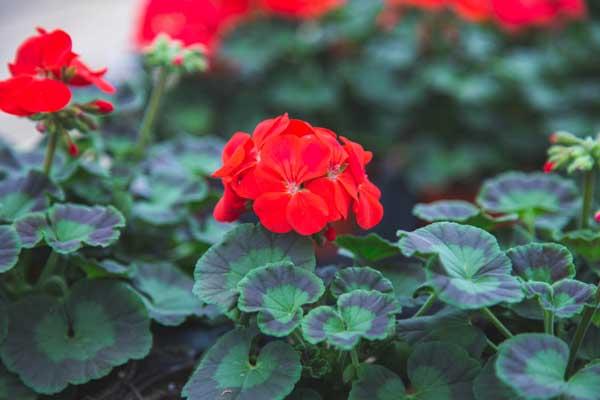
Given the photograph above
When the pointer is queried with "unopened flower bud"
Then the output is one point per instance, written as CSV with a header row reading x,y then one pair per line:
x,y
103,106
73,149
41,127
597,216
549,167
330,234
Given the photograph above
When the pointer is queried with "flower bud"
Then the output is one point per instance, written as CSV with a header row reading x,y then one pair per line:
x,y
549,167
597,216
73,149
41,127
330,234
103,106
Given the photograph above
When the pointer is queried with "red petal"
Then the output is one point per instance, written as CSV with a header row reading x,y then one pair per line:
x,y
335,196
298,127
234,154
368,210
9,96
84,76
230,206
45,95
271,210
45,51
314,158
270,128
307,213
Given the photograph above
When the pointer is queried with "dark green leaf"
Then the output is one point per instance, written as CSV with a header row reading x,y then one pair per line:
x,y
10,248
542,262
22,195
370,248
366,278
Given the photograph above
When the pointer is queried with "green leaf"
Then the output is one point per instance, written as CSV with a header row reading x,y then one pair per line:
x,y
166,292
565,298
99,325
354,278
487,386
228,371
459,211
242,250
370,248
406,280
584,242
534,365
469,271
359,314
11,387
278,292
22,195
10,248
531,195
436,371
542,262
68,227
448,326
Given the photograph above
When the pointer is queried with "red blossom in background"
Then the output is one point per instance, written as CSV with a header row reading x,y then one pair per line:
x,y
296,178
301,9
43,68
189,21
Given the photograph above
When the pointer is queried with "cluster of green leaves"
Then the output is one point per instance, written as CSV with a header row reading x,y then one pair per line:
x,y
482,303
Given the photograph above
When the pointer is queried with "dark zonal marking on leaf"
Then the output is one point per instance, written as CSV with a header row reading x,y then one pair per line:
x,y
100,325
10,248
242,250
29,229
370,248
29,193
354,278
466,266
446,210
564,299
225,371
542,262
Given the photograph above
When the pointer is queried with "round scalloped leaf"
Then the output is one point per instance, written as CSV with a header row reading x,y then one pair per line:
x,y
377,383
242,250
584,242
359,314
487,386
445,326
11,387
22,195
470,271
458,211
278,292
521,193
227,372
100,325
370,248
534,365
542,262
30,229
166,292
355,278
10,248
406,281
565,298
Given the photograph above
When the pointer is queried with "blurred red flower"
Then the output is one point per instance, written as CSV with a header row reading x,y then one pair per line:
x,y
189,21
297,177
43,67
302,9
516,14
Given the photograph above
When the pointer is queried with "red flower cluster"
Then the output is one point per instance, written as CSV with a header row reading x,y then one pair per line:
x,y
510,14
44,65
303,9
297,177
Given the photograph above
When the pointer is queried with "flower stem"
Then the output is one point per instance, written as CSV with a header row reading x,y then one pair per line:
x,y
147,127
549,322
584,324
497,323
491,344
588,197
355,361
49,268
50,150
426,306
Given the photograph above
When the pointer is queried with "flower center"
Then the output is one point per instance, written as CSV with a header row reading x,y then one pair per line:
x,y
334,172
293,188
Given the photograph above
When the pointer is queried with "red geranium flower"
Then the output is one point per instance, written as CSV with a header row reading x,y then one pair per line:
x,y
473,10
189,21
302,9
516,14
424,4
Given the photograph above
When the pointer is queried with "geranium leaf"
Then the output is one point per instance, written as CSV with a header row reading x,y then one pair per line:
x,y
10,248
445,326
226,371
406,280
534,365
487,386
166,292
565,298
377,383
458,211
584,242
359,314
242,250
99,325
11,387
22,195
535,194
30,229
370,248
278,292
348,279
469,270
542,262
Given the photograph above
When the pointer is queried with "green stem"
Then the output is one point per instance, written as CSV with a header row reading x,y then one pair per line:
x,y
582,328
549,322
355,361
58,282
490,315
491,344
50,150
426,306
588,197
298,337
49,268
147,127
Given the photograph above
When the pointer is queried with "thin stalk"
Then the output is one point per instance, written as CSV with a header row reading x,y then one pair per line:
x,y
147,127
426,306
355,361
491,344
497,323
588,196
549,322
582,328
50,150
49,268
298,337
